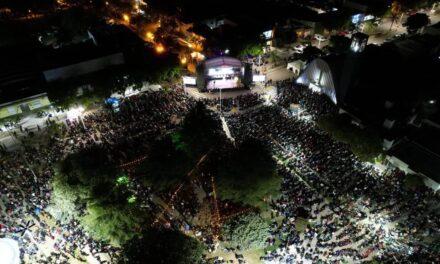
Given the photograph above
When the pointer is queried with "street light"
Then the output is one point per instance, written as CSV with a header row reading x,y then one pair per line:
x,y
75,113
160,48
150,36
126,18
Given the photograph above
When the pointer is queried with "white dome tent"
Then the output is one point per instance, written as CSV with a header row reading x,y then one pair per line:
x,y
9,251
318,77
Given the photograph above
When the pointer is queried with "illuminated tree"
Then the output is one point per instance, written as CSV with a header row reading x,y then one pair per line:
x,y
248,231
89,188
114,224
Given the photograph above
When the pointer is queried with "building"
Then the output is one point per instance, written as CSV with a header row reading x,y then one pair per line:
x,y
26,71
419,154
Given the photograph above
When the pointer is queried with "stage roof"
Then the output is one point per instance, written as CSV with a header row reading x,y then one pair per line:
x,y
223,61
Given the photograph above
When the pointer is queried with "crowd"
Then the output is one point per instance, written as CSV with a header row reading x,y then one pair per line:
x,y
25,187
333,206
350,211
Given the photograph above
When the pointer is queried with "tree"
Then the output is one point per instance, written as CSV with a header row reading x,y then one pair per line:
x,y
167,164
253,49
311,52
247,174
248,231
416,22
98,195
162,246
340,44
73,22
114,224
201,130
369,27
274,57
335,21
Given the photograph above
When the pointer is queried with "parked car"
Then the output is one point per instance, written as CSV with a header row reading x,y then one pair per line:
x,y
320,37
299,48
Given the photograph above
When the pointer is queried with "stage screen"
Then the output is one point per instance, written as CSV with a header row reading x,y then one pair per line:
x,y
188,80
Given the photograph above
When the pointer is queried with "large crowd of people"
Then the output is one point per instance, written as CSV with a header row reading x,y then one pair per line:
x,y
25,175
333,207
351,212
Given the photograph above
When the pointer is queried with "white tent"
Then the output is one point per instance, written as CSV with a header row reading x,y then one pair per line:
x,y
318,77
9,251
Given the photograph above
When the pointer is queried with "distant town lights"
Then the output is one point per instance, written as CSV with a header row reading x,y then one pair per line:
x,y
126,18
160,48
149,35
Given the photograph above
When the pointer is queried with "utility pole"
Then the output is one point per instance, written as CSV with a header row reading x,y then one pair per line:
x,y
221,102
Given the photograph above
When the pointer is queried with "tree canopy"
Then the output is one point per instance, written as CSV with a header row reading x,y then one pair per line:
x,y
167,164
416,22
201,130
97,193
247,174
339,44
163,246
248,231
252,49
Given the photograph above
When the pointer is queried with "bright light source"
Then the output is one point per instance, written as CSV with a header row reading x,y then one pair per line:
x,y
189,80
197,55
259,78
74,113
149,35
183,60
432,101
160,48
227,51
126,18
268,34
220,71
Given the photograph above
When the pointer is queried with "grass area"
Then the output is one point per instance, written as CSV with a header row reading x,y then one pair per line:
x,y
366,143
301,224
253,256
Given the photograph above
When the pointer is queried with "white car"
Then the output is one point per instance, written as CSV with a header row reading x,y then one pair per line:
x,y
320,37
299,48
